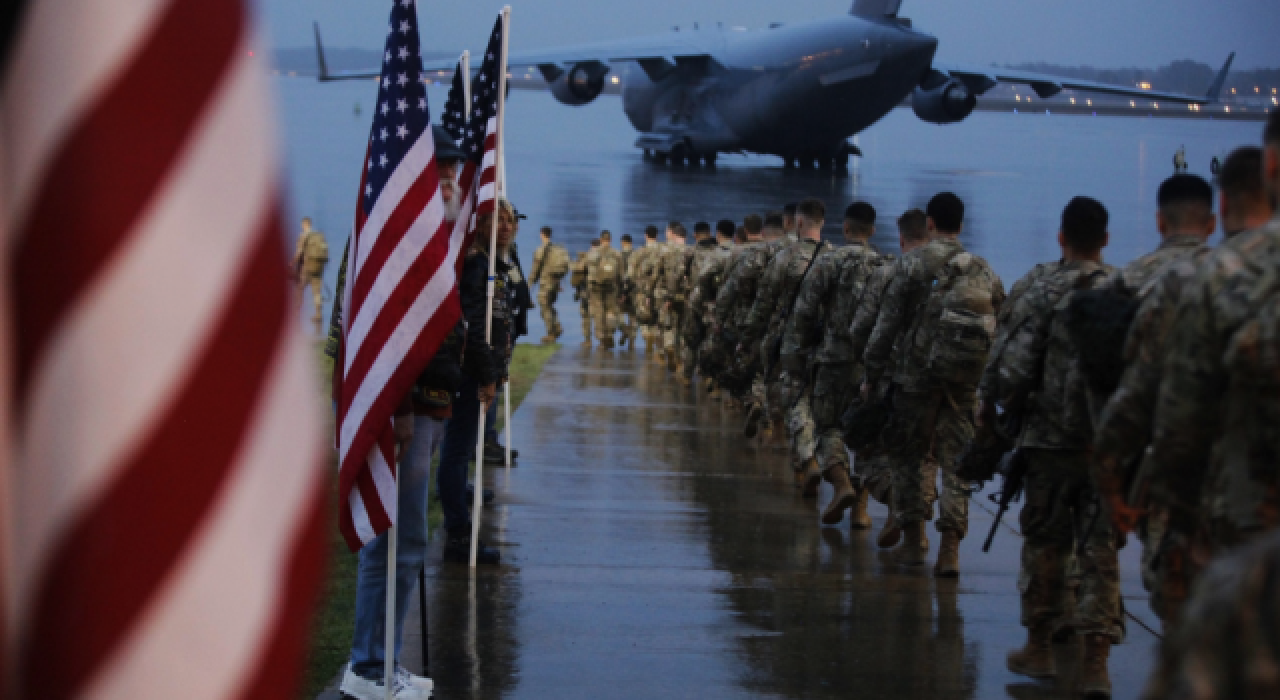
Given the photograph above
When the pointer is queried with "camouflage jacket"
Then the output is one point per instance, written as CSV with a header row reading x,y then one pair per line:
x,y
864,318
705,277
909,292
639,272
604,269
829,299
778,288
1134,276
1037,368
672,283
550,264
1124,423
1215,442
1011,315
738,294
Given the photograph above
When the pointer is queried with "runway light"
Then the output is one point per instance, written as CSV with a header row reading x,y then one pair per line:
x,y
1073,100
1090,103
615,80
1131,103
1156,105
1144,85
1017,98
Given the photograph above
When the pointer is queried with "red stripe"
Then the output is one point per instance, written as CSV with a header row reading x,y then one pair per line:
x,y
280,665
407,211
111,165
100,576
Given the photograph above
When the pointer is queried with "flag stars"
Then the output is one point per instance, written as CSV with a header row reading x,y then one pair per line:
x,y
422,103
404,26
383,136
387,57
385,109
402,105
368,190
386,82
402,131
406,3
404,53
382,160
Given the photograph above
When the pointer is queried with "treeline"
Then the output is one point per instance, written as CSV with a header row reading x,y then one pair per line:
x,y
1186,76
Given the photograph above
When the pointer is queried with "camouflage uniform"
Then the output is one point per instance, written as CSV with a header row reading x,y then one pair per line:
x,y
1225,647
1124,426
670,294
1034,372
705,276
817,345
643,268
626,301
764,324
932,421
579,269
604,282
550,265
1215,440
873,467
737,296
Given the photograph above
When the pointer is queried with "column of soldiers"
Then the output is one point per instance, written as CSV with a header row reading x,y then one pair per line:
x,y
1142,399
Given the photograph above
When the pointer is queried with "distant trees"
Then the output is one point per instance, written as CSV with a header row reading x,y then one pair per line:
x,y
1186,76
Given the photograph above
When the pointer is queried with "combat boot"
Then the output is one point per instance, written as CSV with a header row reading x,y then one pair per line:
x,y
948,564
844,498
811,478
914,547
891,533
1095,682
548,339
860,519
672,362
752,426
1036,658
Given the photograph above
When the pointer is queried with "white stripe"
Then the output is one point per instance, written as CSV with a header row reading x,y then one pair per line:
x,y
204,633
387,281
113,366
411,167
360,517
411,246
384,481
67,53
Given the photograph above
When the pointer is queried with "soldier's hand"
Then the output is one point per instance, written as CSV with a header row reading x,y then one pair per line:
x,y
486,394
403,426
1124,518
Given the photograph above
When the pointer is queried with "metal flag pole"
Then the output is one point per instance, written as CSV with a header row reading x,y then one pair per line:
x,y
389,636
506,425
466,81
477,502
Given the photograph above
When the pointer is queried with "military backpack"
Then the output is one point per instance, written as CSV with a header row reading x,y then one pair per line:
x,y
959,323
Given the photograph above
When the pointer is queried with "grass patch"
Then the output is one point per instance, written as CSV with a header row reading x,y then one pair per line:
x,y
334,618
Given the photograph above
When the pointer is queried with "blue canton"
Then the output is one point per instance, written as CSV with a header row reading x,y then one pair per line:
x,y
401,113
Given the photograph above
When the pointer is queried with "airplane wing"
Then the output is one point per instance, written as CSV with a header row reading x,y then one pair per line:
x,y
655,54
980,80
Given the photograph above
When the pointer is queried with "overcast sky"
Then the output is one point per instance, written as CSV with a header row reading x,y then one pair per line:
x,y
1103,33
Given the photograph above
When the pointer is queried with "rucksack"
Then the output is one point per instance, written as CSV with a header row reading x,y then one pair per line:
x,y
578,276
960,319
1098,321
558,262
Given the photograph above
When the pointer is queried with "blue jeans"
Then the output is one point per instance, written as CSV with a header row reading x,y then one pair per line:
x,y
411,547
457,452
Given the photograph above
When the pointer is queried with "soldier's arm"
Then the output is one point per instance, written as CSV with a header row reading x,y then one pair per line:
x,y
763,305
805,322
890,319
1188,406
727,297
868,311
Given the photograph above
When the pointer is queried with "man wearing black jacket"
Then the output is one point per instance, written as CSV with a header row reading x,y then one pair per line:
x,y
484,367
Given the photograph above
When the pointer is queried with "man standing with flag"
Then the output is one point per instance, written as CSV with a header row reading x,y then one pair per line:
x,y
400,305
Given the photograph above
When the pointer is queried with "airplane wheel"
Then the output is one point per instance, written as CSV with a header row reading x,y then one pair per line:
x,y
824,164
806,164
710,159
679,155
789,163
648,155
660,158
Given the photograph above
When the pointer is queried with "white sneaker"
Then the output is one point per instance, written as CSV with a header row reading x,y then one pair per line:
x,y
420,682
360,688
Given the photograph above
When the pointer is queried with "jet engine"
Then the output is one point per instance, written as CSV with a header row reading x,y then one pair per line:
x,y
947,103
580,84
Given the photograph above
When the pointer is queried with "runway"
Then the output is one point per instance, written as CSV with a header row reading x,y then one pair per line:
x,y
650,551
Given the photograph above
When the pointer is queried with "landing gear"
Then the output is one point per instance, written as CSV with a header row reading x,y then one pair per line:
x,y
709,159
788,163
648,155
660,158
679,154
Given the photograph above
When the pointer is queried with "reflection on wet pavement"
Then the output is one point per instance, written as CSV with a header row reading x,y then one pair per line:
x,y
649,551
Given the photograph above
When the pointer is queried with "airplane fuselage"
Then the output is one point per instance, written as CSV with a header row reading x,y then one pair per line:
x,y
797,91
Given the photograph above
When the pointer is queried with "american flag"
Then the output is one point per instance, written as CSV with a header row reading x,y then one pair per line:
x,y
453,117
401,296
164,518
480,141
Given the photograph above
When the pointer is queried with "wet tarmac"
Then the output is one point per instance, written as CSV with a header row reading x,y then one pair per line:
x,y
650,551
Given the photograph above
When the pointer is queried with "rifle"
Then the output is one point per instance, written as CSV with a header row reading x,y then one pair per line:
x,y
1014,468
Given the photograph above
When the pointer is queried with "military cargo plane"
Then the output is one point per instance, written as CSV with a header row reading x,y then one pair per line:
x,y
799,91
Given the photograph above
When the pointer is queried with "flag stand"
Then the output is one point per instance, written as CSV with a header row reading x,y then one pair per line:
x,y
477,502
389,634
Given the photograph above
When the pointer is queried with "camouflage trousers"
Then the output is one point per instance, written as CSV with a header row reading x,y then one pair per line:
x,y
814,423
548,293
692,332
876,474
928,429
669,320
1056,511
584,306
604,313
1167,564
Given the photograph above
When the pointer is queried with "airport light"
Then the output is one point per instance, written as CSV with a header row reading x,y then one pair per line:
x,y
1089,102
615,80
1073,100
1132,103
1156,105
1144,85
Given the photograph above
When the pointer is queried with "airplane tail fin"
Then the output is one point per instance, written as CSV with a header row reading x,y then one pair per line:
x,y
876,9
1215,88
321,64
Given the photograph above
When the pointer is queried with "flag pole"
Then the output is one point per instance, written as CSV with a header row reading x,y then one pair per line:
x,y
465,62
477,502
389,636
506,399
